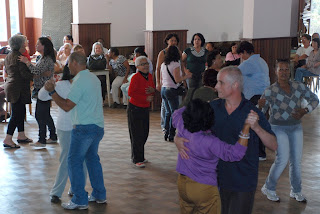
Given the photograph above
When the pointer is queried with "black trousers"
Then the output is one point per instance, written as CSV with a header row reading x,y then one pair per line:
x,y
44,119
17,117
138,122
262,148
102,79
236,202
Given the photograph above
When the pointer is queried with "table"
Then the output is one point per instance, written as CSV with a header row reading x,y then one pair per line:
x,y
106,73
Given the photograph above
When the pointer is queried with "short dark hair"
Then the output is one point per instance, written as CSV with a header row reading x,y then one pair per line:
x,y
169,36
140,50
212,44
70,37
212,56
114,50
209,78
198,116
317,40
203,41
307,36
285,61
172,54
233,44
245,46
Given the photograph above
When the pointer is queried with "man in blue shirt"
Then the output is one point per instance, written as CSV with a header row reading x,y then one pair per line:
x,y
85,103
237,180
255,72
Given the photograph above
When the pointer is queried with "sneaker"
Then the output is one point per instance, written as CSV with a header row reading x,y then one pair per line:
x,y
140,165
91,198
54,199
70,193
298,196
38,144
262,158
271,195
50,141
72,206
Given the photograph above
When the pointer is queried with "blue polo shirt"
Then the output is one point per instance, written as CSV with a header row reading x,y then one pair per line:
x,y
85,92
241,176
255,72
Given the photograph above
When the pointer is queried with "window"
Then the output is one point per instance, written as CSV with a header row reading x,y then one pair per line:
x,y
11,19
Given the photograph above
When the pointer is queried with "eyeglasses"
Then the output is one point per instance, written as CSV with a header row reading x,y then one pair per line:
x,y
143,64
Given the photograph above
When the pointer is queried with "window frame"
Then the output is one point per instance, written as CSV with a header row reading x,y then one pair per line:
x,y
21,5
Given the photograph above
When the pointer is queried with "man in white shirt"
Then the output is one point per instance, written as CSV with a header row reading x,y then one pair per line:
x,y
303,52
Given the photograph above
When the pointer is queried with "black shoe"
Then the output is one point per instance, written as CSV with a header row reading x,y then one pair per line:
x,y
55,199
166,137
171,139
115,105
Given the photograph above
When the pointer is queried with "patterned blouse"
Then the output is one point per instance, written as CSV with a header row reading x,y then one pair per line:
x,y
282,104
118,66
43,65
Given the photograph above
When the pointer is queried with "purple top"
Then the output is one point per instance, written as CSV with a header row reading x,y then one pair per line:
x,y
205,150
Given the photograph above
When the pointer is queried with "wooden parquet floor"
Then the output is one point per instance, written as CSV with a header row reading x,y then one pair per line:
x,y
27,175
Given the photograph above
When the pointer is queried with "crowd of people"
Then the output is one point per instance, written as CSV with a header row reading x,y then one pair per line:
x,y
219,126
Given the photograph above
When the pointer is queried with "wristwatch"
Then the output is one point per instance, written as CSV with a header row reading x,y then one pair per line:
x,y
306,110
52,92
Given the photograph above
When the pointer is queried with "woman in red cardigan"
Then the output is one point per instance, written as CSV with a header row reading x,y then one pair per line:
x,y
141,92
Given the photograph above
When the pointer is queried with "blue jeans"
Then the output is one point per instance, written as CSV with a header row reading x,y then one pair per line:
x,y
62,174
290,145
84,146
302,72
171,103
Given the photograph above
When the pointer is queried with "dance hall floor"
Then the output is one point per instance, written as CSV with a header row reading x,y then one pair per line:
x,y
27,175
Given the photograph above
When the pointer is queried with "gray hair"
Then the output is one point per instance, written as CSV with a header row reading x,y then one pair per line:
x,y
93,47
79,57
233,75
16,42
138,60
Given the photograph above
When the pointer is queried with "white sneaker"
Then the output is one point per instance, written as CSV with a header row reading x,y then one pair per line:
x,y
92,199
72,206
262,158
50,141
298,196
38,144
271,195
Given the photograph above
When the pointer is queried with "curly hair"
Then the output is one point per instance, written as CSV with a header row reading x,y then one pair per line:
x,y
172,54
198,116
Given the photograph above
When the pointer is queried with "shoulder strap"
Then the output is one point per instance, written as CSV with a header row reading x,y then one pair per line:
x,y
171,75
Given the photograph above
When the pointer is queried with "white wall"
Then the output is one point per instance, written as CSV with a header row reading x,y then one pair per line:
x,y
127,18
34,8
217,20
270,18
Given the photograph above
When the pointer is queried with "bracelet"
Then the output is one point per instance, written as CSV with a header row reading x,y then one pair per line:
x,y
52,92
244,137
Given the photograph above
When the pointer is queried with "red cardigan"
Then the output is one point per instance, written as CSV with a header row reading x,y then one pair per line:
x,y
137,90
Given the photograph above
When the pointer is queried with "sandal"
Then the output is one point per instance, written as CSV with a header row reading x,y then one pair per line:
x,y
14,146
27,140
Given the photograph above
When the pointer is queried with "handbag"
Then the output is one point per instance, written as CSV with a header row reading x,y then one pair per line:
x,y
181,90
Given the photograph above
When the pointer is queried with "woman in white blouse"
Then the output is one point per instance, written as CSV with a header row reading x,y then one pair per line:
x,y
64,128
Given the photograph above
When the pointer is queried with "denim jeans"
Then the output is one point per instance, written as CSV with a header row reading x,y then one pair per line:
x,y
84,146
290,145
302,72
171,103
62,174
